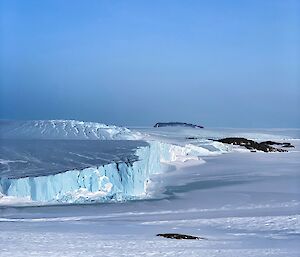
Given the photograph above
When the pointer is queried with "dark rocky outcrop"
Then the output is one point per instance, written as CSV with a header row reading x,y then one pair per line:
x,y
284,144
253,145
179,236
176,124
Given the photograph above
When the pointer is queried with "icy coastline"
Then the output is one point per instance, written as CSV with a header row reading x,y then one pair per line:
x,y
86,178
115,181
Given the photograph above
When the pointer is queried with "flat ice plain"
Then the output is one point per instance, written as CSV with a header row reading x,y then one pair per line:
x,y
243,203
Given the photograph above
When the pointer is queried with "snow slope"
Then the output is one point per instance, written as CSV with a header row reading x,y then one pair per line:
x,y
63,129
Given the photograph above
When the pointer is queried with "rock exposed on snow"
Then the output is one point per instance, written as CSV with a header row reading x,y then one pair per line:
x,y
176,124
179,236
253,145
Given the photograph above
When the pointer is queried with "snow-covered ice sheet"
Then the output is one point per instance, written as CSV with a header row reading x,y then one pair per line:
x,y
243,203
37,164
36,157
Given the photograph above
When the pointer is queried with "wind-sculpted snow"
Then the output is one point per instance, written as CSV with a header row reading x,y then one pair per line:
x,y
63,129
113,181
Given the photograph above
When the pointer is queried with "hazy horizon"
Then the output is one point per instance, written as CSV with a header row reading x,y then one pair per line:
x,y
135,63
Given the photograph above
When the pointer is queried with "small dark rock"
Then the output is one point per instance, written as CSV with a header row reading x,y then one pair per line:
x,y
179,236
284,144
289,145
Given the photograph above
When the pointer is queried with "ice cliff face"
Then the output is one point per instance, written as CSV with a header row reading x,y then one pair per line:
x,y
114,181
63,129
88,171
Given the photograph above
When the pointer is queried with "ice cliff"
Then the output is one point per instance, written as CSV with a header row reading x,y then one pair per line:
x,y
113,181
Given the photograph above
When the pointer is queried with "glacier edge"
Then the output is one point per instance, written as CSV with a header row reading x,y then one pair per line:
x,y
110,182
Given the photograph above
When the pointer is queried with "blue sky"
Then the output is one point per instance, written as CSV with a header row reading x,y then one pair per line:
x,y
216,63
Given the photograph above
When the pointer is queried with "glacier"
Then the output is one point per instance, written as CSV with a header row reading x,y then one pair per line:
x,y
115,181
100,163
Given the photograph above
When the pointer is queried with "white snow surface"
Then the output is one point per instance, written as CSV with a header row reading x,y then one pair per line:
x,y
242,203
63,129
